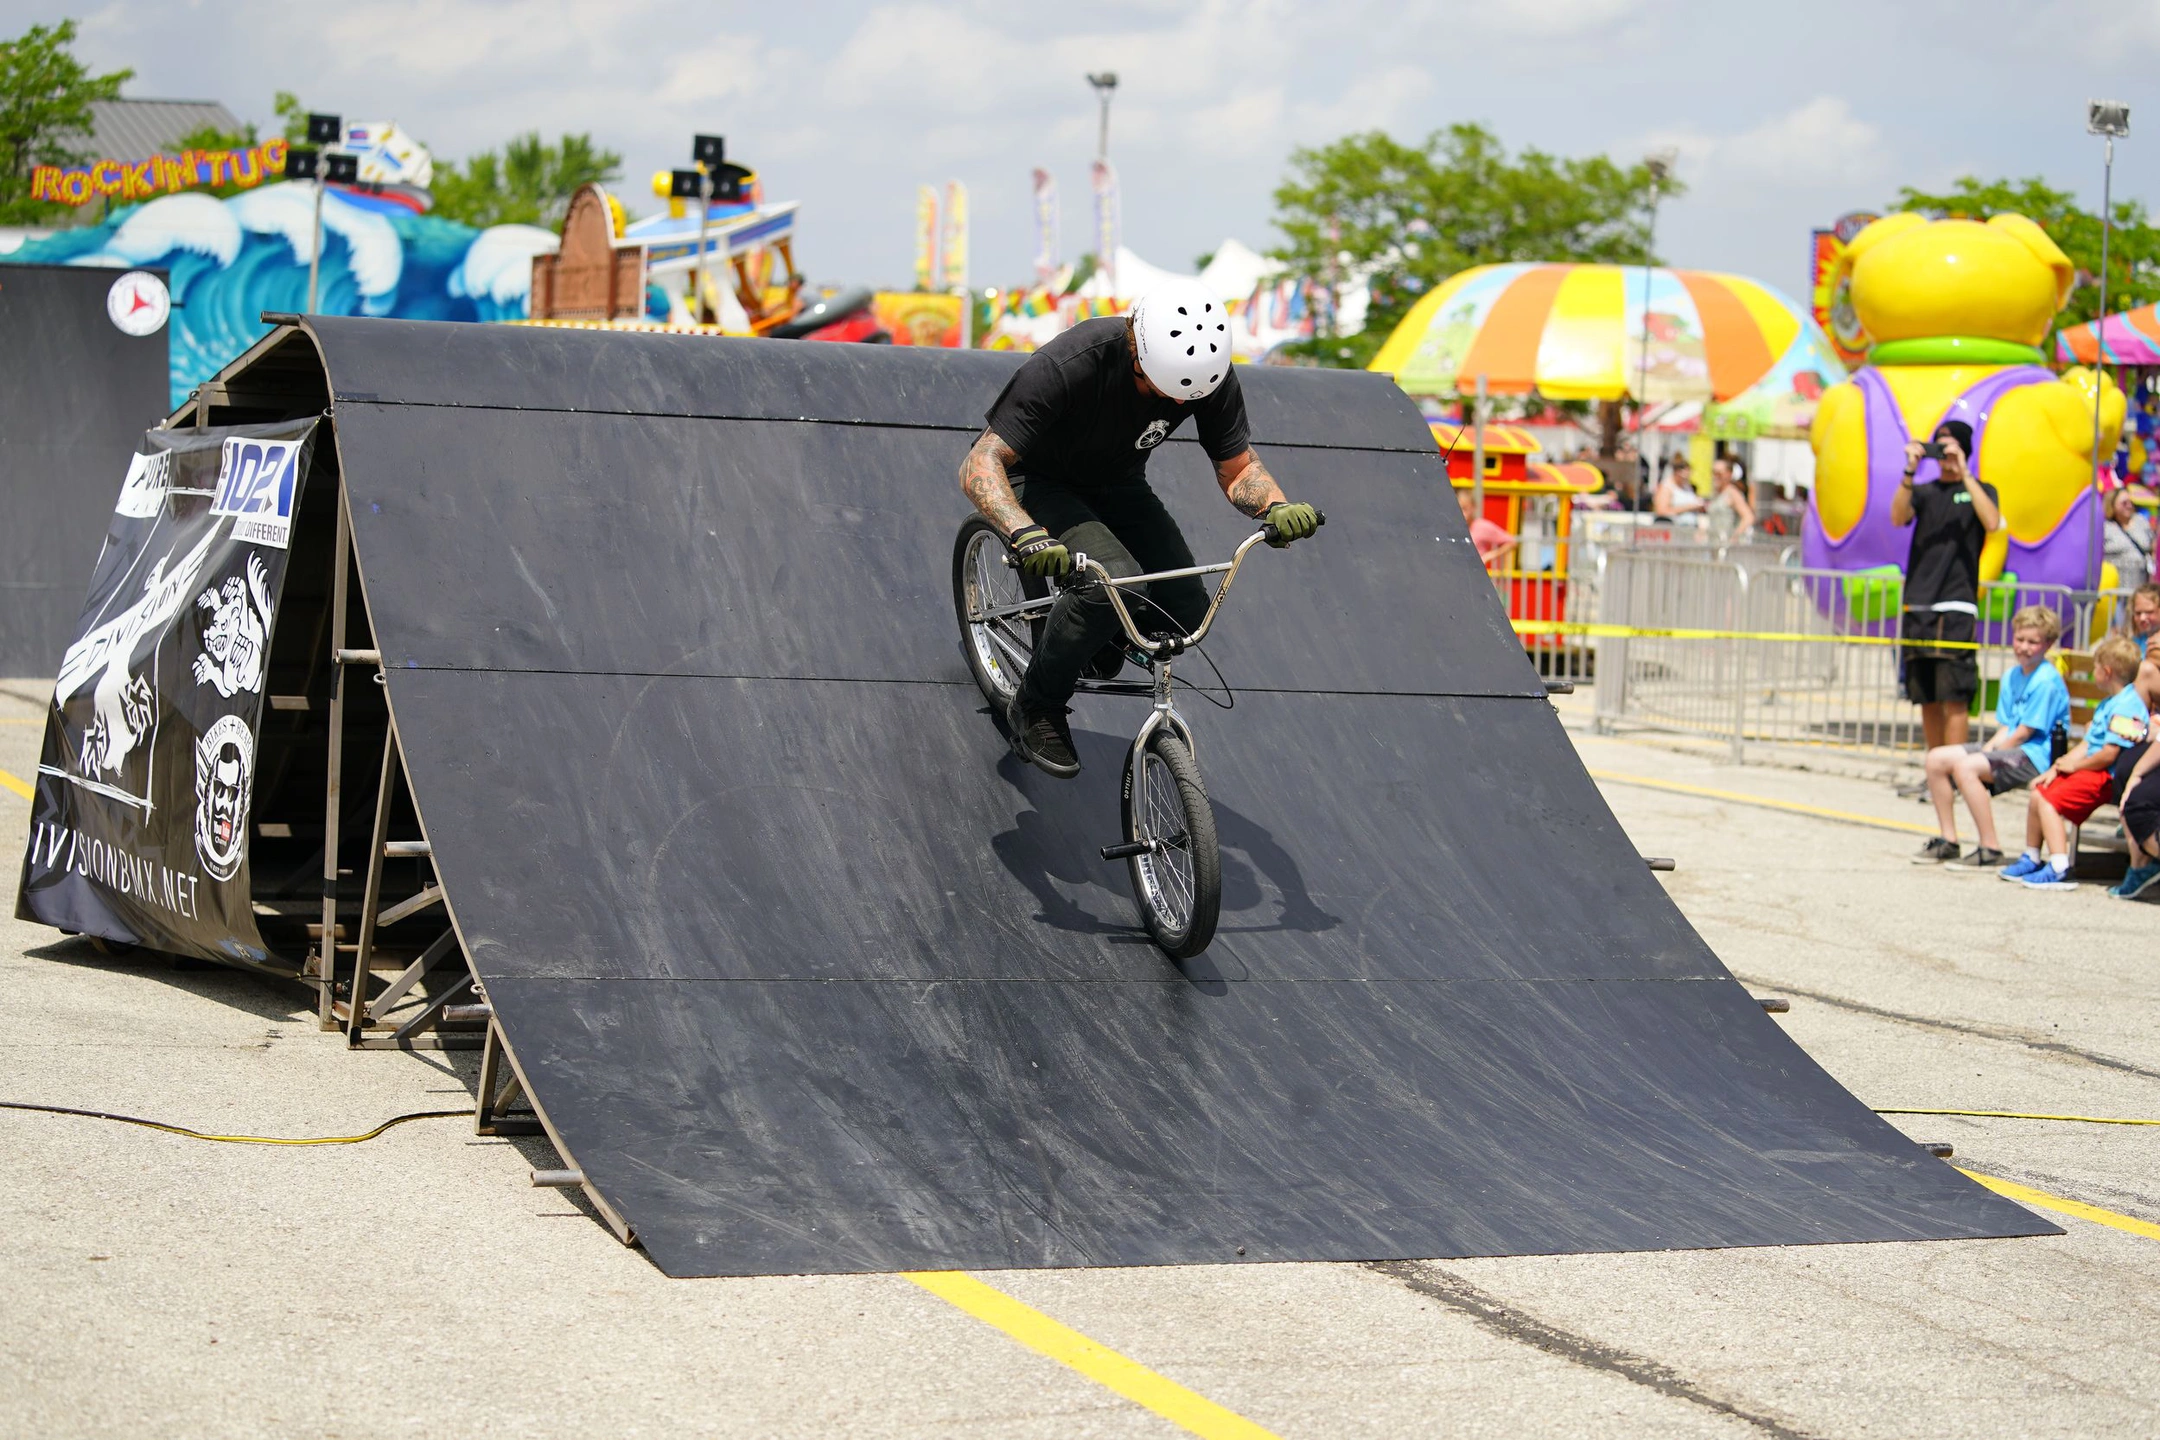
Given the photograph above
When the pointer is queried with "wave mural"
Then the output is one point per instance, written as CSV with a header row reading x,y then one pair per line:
x,y
229,260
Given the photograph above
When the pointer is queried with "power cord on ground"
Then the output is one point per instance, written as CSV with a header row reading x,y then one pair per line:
x,y
183,1130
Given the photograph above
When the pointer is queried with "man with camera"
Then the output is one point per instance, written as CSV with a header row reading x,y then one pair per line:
x,y
1952,512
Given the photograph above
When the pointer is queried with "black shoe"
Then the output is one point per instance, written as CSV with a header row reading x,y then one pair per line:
x,y
1043,739
1936,851
1981,861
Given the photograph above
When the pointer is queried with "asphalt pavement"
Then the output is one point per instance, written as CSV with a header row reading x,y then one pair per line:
x,y
417,1284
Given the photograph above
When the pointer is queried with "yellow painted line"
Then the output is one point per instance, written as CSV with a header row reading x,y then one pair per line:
x,y
1649,632
1099,1363
2077,1209
2027,1115
1791,807
9,782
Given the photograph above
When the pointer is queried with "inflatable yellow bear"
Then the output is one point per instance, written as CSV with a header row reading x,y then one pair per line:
x,y
1957,310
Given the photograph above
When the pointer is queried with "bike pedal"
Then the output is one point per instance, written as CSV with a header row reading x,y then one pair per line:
x,y
1127,851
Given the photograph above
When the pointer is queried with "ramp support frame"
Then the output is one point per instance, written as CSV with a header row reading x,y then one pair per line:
x,y
366,1020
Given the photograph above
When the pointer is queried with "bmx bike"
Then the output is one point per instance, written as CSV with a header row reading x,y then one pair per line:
x,y
1169,847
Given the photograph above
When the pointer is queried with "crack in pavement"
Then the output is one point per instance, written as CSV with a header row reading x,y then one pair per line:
x,y
2004,1033
1494,1315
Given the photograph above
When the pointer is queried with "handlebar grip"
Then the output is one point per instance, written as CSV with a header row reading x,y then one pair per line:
x,y
1319,519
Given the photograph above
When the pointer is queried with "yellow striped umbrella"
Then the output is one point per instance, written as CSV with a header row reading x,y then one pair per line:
x,y
1576,332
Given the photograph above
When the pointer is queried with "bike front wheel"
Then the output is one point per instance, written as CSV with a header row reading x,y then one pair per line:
x,y
1177,880
999,648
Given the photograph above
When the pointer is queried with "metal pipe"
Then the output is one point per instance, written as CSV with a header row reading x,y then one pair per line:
x,y
703,227
314,264
557,1179
2107,185
1477,450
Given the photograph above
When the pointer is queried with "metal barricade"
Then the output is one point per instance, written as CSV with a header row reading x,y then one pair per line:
x,y
1793,660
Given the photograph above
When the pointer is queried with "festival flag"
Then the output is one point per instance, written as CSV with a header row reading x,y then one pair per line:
x,y
926,237
1106,221
956,236
1046,227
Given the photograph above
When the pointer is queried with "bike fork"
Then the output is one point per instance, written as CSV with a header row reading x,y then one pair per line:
x,y
1165,713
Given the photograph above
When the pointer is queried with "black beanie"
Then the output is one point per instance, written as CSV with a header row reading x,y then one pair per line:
x,y
1959,431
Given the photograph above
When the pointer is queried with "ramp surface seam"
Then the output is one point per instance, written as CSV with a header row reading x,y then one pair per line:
x,y
937,427
410,667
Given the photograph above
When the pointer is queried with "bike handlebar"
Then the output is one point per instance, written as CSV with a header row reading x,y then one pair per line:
x,y
1091,572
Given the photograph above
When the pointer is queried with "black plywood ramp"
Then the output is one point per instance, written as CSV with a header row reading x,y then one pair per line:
x,y
807,974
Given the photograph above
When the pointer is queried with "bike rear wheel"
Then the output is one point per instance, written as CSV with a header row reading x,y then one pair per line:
x,y
998,650
1178,880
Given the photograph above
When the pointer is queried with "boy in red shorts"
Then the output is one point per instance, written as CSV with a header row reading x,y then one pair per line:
x,y
2080,782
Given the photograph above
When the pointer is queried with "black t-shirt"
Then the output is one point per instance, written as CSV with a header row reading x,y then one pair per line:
x,y
1947,536
1074,413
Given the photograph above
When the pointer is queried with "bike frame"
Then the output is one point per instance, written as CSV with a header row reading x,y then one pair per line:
x,y
1159,653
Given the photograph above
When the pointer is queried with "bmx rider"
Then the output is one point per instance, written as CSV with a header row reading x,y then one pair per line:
x,y
1062,467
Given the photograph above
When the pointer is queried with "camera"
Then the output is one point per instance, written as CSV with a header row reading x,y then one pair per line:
x,y
1932,450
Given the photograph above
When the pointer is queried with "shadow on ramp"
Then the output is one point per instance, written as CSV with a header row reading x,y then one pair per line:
x,y
806,973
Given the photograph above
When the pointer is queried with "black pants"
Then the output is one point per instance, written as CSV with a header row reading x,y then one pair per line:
x,y
1126,530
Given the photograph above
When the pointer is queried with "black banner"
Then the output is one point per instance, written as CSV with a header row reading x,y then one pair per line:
x,y
139,829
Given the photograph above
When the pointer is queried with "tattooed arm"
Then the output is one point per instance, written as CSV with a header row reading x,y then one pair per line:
x,y
1246,483
989,488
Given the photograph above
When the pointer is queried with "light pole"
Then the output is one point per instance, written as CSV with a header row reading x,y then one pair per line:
x,y
1660,165
319,166
1105,185
1105,86
2109,119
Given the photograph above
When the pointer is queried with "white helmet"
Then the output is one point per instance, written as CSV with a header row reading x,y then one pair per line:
x,y
1182,334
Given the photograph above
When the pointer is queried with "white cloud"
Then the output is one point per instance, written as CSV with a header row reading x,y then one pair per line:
x,y
846,105
1819,142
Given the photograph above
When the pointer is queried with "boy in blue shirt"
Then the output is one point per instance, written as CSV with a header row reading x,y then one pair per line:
x,y
2080,782
2033,700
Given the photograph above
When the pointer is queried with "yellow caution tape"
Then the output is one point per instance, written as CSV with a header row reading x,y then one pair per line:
x,y
1646,632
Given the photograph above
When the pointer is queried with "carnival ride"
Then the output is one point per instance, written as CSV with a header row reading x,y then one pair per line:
x,y
1694,352
1533,500
1955,312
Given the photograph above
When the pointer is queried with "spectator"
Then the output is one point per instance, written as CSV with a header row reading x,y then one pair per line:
x,y
1492,541
1676,492
1730,515
1627,471
2081,782
2127,541
1952,512
2033,700
2144,614
2140,806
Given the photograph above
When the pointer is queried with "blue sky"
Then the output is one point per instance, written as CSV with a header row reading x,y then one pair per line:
x,y
1784,115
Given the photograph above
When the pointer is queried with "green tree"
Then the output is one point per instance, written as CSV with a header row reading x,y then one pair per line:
x,y
209,137
530,182
45,99
1412,215
2133,248
294,114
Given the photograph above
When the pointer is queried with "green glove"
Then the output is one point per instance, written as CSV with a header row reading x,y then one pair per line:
x,y
1041,555
1290,522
